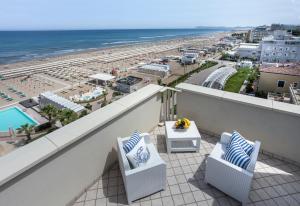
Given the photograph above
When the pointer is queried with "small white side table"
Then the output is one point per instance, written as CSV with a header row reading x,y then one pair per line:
x,y
182,140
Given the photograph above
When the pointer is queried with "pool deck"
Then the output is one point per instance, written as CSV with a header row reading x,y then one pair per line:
x,y
32,113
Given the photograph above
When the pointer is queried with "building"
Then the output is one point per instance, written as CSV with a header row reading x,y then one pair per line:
x,y
286,27
278,78
248,51
189,58
258,33
59,102
280,48
245,64
230,41
129,84
161,70
102,78
78,164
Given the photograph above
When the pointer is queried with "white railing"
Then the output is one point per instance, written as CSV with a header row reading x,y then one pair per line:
x,y
168,112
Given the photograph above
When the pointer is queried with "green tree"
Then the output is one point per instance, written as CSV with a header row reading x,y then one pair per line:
x,y
28,130
67,116
159,81
105,93
104,103
50,112
83,113
88,106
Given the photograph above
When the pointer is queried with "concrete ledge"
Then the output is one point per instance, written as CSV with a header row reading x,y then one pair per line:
x,y
275,124
26,157
242,99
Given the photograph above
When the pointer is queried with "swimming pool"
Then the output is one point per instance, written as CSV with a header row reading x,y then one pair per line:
x,y
14,117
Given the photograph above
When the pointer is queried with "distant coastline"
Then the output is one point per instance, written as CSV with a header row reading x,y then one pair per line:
x,y
21,46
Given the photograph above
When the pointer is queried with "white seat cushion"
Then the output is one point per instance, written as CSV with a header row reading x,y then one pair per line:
x,y
237,137
139,155
134,139
236,155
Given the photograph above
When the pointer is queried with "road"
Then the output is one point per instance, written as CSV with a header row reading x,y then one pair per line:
x,y
200,77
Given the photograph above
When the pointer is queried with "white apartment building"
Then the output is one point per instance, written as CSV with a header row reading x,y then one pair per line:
x,y
280,48
248,51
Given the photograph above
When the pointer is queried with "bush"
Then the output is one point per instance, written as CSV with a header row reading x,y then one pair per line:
x,y
42,127
262,94
116,93
249,88
83,113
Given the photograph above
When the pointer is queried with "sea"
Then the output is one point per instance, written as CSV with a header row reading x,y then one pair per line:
x,y
17,46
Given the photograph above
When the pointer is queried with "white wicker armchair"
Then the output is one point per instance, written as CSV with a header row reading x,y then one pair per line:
x,y
145,180
227,177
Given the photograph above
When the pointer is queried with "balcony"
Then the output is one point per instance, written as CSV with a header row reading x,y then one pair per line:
x,y
76,165
275,181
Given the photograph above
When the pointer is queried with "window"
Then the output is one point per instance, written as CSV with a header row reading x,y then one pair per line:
x,y
280,83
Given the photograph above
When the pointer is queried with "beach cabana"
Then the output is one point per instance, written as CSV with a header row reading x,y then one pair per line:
x,y
102,78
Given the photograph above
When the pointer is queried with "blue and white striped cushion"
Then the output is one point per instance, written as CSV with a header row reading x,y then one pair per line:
x,y
248,148
134,139
236,155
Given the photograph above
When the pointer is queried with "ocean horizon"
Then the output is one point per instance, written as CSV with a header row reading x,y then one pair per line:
x,y
18,46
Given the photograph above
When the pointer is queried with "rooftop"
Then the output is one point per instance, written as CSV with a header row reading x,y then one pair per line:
x,y
130,80
156,67
288,69
248,46
102,76
61,101
275,183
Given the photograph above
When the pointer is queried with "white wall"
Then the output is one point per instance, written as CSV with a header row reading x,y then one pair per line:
x,y
54,169
275,124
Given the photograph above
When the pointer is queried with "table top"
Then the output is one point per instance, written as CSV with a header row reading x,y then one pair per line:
x,y
173,133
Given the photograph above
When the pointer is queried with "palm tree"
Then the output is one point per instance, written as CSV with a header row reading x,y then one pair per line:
x,y
105,93
28,130
67,116
88,106
159,81
50,112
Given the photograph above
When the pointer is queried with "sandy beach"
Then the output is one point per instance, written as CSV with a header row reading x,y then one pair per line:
x,y
68,74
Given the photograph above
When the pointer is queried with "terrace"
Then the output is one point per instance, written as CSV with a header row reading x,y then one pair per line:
x,y
77,164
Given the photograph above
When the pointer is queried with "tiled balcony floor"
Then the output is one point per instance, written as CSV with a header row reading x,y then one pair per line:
x,y
275,183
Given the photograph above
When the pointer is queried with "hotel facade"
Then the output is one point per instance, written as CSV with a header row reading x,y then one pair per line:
x,y
280,48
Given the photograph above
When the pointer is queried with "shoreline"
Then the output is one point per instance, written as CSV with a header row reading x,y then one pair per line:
x,y
84,53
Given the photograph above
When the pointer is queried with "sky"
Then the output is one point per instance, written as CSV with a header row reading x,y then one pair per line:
x,y
116,14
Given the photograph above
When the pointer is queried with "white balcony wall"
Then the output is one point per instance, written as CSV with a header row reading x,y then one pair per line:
x,y
275,124
53,170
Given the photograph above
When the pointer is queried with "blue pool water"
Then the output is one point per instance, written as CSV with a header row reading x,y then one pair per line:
x,y
13,117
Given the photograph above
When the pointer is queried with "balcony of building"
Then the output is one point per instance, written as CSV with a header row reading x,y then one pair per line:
x,y
77,164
